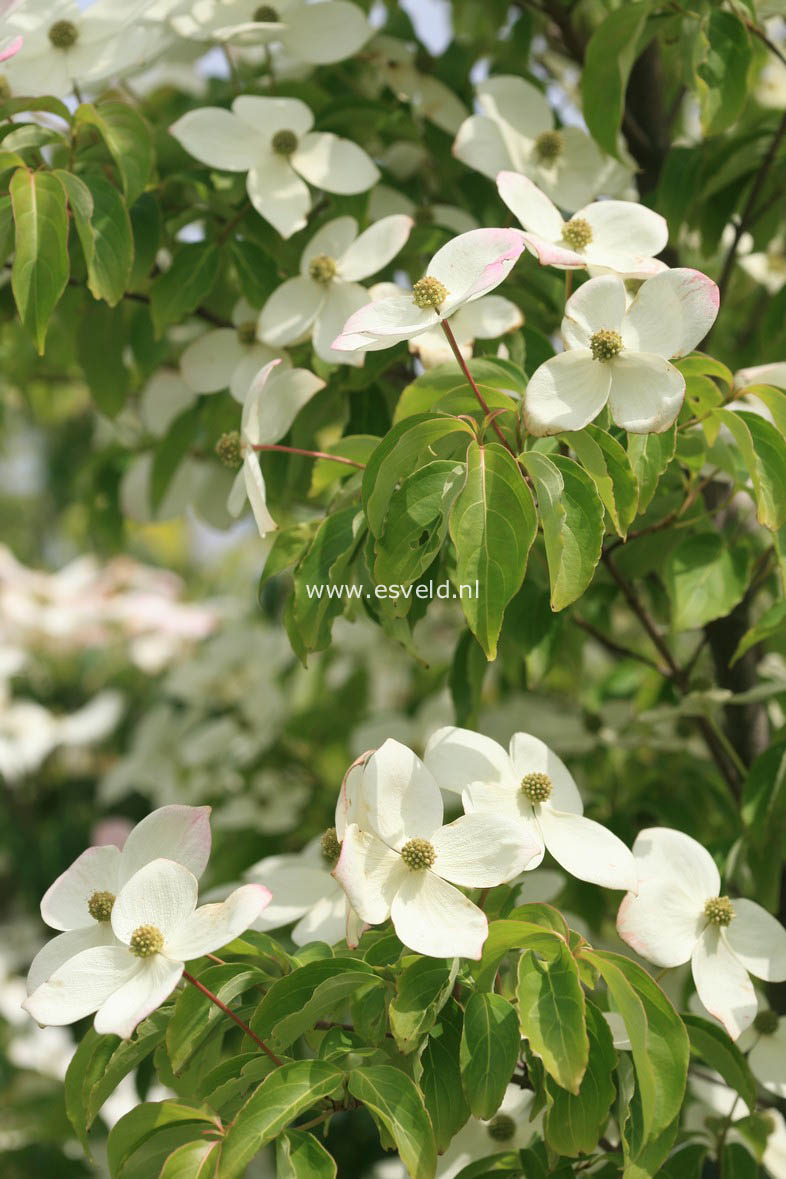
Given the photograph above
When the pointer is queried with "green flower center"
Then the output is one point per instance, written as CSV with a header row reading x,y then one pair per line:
x,y
331,848
719,911
766,1023
146,941
63,34
418,854
429,292
100,905
549,145
322,268
247,332
284,143
537,787
577,233
5,88
605,344
266,15
229,449
501,1128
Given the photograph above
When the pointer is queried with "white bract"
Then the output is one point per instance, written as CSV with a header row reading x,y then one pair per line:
x,y
619,353
65,43
403,863
391,62
467,267
515,132
485,319
533,791
765,1043
679,915
157,928
271,139
316,33
327,291
228,358
617,236
762,374
509,1129
271,406
81,900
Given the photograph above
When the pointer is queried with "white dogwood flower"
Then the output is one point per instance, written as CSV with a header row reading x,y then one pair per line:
x,y
485,319
767,267
272,403
679,915
532,789
765,1043
619,353
515,132
509,1129
465,268
391,63
403,863
228,358
327,291
622,237
158,928
271,139
316,33
81,900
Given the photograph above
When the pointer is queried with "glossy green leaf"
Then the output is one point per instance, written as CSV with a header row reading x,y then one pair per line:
x,y
181,289
440,1076
724,53
394,1102
40,269
111,255
128,138
606,462
650,455
193,1160
324,566
609,58
195,1016
506,935
143,1121
280,1014
490,1043
301,1156
712,1044
422,989
705,578
763,450
492,525
416,523
552,1013
574,1122
446,388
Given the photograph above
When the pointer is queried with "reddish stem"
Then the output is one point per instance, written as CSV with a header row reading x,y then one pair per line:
x,y
480,398
228,1011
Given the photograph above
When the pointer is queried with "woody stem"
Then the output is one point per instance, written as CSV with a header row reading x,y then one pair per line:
x,y
228,1011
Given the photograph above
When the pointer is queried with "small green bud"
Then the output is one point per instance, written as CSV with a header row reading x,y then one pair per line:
x,y
418,854
549,145
284,143
331,848
501,1127
266,15
322,268
766,1023
100,905
63,34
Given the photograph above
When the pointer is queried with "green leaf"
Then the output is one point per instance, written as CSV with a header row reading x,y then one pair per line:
x,y
440,1079
705,578
397,455
572,517
145,216
763,451
280,1014
609,58
255,269
282,1096
508,935
359,447
724,53
193,1160
712,1044
6,228
98,1066
764,816
16,106
646,1158
490,1043
422,990
416,522
492,525
145,1120
300,1156
195,1016
650,455
324,566
606,462
289,545
394,1102
128,138
574,1123
110,255
40,269
659,1042
181,289
102,340
552,1013
445,388
739,1163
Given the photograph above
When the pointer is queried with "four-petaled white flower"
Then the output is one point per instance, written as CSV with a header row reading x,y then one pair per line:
x,y
317,33
467,267
533,791
271,139
678,915
81,900
515,132
327,291
271,406
619,353
510,1128
157,928
403,863
622,237
228,358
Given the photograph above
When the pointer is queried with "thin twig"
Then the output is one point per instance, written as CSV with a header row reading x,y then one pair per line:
x,y
317,454
473,386
616,648
228,1011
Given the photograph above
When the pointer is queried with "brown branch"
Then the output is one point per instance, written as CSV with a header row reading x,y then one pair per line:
x,y
617,648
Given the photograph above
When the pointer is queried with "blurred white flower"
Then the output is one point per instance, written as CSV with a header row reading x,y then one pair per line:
x,y
509,1129
392,64
227,358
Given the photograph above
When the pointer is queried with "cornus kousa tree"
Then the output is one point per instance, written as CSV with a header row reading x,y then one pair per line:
x,y
438,353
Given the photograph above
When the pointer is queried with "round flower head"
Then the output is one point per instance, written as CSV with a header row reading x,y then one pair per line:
x,y
617,236
327,291
157,929
679,914
466,268
81,901
535,793
271,139
619,353
403,863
